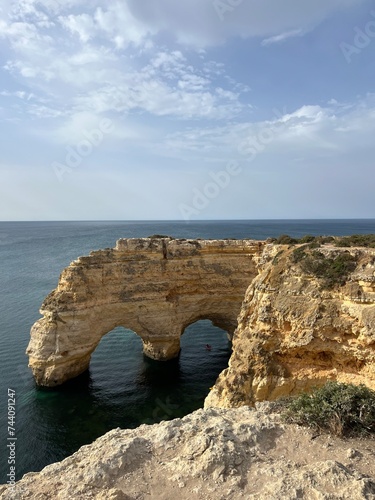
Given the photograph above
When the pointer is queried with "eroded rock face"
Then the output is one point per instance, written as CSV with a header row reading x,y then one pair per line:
x,y
213,454
294,334
154,286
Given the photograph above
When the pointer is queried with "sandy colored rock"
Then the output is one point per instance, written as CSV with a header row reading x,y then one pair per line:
x,y
293,334
154,286
213,454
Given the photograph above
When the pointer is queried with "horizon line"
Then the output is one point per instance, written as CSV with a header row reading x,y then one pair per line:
x,y
192,221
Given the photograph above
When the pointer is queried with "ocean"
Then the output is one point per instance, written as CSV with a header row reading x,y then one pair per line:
x,y
122,388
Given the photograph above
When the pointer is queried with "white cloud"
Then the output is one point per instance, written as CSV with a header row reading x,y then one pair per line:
x,y
312,130
104,57
119,24
72,129
193,82
83,25
195,23
24,37
167,84
203,22
113,23
282,37
41,111
158,98
21,94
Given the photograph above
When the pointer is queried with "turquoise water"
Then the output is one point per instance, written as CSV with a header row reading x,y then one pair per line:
x,y
122,388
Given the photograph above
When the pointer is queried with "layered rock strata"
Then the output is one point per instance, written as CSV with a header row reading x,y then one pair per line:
x,y
294,333
153,286
213,454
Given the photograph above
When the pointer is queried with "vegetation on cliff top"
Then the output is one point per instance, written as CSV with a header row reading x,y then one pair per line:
x,y
332,271
339,409
355,240
159,236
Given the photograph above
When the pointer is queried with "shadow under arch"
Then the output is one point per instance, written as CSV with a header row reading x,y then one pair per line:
x,y
125,347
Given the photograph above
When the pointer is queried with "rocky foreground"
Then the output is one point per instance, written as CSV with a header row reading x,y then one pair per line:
x,y
209,454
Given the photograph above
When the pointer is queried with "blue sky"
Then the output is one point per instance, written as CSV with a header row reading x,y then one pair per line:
x,y
207,109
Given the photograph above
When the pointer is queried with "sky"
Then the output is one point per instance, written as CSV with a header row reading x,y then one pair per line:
x,y
185,110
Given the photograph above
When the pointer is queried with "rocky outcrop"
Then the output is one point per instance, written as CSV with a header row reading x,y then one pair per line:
x,y
153,286
295,333
213,454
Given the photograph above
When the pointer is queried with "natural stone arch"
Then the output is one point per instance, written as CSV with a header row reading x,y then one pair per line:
x,y
155,287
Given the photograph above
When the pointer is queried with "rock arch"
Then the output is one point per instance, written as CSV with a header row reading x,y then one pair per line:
x,y
153,286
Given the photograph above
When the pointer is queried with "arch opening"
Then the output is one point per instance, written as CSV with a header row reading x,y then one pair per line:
x,y
148,390
115,360
208,321
205,353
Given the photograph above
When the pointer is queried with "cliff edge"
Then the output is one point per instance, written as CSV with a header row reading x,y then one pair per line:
x,y
308,317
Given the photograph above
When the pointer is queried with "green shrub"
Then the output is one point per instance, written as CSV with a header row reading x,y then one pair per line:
x,y
285,239
308,238
315,241
324,239
277,256
339,409
332,271
299,254
159,236
357,240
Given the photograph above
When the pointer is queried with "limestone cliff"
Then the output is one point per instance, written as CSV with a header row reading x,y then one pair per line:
x,y
154,286
213,454
295,333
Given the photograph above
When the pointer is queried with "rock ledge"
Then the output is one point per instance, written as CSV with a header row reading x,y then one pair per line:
x,y
210,454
